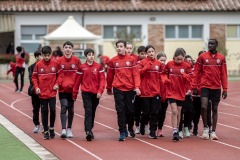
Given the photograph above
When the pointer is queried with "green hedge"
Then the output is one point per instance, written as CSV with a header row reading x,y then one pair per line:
x,y
7,58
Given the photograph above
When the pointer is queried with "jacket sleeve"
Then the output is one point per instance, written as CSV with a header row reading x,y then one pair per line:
x,y
35,77
224,76
30,71
60,75
197,73
110,75
136,75
78,81
187,76
165,73
144,67
102,80
160,78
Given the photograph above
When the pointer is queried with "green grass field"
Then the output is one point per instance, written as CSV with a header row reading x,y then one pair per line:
x,y
11,148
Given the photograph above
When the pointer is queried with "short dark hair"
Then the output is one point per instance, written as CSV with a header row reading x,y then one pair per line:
x,y
188,56
19,48
129,43
46,50
180,51
88,50
161,54
200,52
37,53
68,43
121,41
141,49
149,46
213,39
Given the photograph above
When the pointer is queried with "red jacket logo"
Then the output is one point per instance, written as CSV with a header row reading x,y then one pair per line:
x,y
182,70
53,69
157,67
41,70
127,63
73,66
62,66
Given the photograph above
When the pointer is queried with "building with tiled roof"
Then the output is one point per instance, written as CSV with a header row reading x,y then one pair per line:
x,y
166,24
118,5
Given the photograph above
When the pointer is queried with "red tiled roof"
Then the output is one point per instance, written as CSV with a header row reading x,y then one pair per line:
x,y
117,5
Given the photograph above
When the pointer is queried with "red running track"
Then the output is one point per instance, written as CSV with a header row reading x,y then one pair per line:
x,y
17,108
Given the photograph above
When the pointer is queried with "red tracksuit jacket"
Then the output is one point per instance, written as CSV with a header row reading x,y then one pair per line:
x,y
20,61
164,77
150,70
211,71
123,73
134,56
178,77
70,67
91,78
45,76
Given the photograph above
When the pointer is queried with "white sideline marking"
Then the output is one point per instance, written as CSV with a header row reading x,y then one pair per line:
x,y
11,106
34,146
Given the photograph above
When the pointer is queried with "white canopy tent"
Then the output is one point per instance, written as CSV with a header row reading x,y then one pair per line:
x,y
72,31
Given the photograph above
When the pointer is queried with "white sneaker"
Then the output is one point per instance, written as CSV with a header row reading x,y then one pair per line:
x,y
147,131
64,133
36,129
187,133
137,130
69,133
205,134
42,129
180,134
213,136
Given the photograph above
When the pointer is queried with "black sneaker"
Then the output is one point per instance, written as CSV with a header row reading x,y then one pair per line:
x,y
46,135
88,136
142,128
126,133
122,137
152,135
175,137
92,134
52,133
195,131
131,132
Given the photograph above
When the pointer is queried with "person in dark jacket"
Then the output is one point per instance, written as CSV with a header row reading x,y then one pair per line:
x,y
34,96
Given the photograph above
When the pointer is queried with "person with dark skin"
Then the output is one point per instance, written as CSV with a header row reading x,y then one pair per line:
x,y
211,73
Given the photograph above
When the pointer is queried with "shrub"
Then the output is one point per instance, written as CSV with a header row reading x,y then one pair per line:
x,y
7,58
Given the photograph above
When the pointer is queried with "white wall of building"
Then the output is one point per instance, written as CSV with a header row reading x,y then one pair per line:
x,y
136,18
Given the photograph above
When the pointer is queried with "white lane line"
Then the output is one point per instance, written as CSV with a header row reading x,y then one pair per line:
x,y
155,146
34,146
234,115
226,144
236,92
233,99
224,103
164,125
231,105
82,148
228,126
218,124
